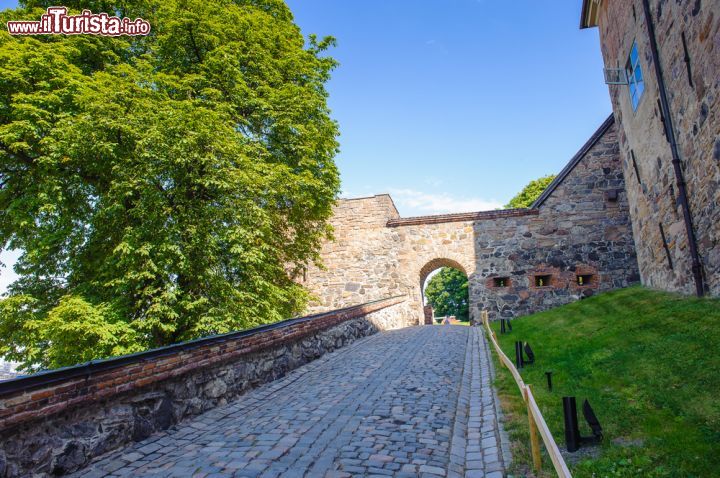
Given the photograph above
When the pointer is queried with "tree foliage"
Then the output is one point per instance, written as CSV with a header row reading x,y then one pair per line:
x,y
447,293
164,187
530,193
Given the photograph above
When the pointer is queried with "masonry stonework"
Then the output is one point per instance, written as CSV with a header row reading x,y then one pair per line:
x,y
580,226
687,34
55,422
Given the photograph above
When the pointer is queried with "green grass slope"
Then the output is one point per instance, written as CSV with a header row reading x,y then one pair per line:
x,y
648,361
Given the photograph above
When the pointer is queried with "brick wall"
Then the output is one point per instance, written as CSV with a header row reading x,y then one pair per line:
x,y
55,422
694,97
428,315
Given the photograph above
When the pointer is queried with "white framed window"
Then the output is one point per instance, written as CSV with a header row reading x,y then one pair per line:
x,y
636,84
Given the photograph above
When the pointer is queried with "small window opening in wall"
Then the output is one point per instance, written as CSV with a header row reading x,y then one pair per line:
x,y
542,280
584,279
501,282
635,167
665,246
673,197
687,59
662,120
634,75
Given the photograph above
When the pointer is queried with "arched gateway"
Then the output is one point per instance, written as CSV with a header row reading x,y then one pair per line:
x,y
575,240
429,268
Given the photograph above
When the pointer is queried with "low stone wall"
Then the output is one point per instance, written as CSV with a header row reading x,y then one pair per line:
x,y
55,422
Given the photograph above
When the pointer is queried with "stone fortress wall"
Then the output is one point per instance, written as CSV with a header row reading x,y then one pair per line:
x,y
687,34
53,423
580,226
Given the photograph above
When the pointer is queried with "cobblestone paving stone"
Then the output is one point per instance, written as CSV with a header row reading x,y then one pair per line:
x,y
406,403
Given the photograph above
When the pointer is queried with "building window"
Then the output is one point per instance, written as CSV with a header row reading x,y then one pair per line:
x,y
634,76
501,282
542,280
584,279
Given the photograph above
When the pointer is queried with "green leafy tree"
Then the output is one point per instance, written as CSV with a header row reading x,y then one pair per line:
x,y
530,193
447,293
164,187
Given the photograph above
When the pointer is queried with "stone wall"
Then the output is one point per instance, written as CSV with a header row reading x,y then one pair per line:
x,y
344,280
580,226
694,96
55,422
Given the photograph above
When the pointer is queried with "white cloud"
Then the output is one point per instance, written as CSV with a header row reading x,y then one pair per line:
x,y
414,202
433,182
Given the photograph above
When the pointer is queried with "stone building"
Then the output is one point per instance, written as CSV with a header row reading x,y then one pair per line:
x,y
662,61
574,241
651,172
7,370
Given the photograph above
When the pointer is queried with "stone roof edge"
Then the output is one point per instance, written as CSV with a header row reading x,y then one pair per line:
x,y
583,14
392,201
588,14
460,217
574,162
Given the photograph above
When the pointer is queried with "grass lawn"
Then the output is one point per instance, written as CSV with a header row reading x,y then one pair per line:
x,y
649,363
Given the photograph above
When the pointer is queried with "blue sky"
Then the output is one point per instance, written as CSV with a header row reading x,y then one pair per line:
x,y
454,105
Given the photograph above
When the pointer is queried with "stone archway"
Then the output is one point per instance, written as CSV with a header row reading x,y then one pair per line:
x,y
578,227
437,264
425,272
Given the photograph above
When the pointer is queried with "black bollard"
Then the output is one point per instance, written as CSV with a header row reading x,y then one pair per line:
x,y
572,431
549,379
502,326
518,355
509,325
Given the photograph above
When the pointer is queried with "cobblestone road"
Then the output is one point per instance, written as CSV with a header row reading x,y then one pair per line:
x,y
411,402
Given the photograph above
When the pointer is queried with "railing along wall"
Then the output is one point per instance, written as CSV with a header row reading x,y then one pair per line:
x,y
536,422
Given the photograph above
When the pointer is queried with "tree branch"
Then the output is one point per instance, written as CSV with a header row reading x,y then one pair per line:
x,y
194,45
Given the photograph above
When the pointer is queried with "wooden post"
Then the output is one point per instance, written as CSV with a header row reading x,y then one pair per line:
x,y
534,441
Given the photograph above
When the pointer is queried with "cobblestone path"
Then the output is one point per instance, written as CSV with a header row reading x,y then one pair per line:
x,y
411,402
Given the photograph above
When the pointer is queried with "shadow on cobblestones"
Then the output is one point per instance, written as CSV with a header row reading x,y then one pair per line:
x,y
411,402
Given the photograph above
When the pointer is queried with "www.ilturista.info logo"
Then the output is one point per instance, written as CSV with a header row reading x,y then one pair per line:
x,y
57,22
